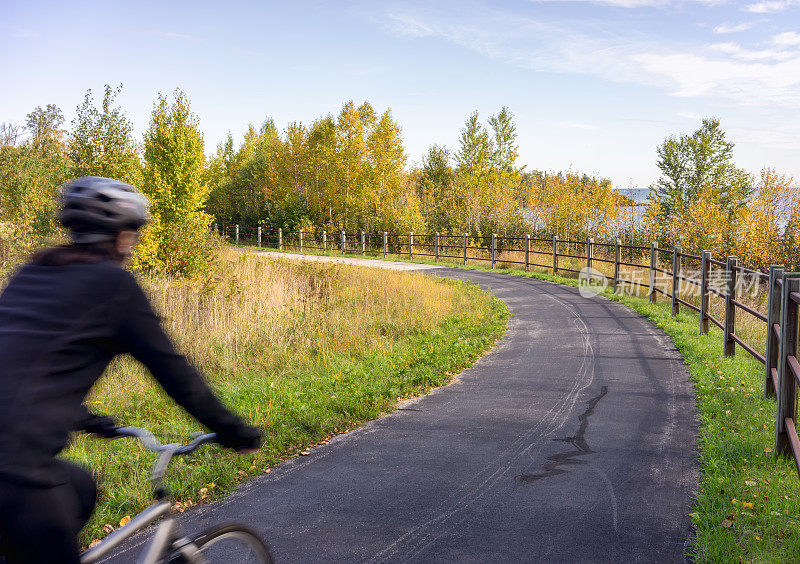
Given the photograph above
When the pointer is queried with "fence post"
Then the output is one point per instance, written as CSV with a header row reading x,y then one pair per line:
x,y
494,247
301,241
676,281
653,261
324,241
237,233
280,239
788,347
465,249
617,243
363,247
343,241
773,341
555,255
704,294
385,244
259,236
527,250
410,245
730,309
589,242
437,246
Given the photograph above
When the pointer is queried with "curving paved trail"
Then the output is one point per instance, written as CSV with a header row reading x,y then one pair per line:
x,y
573,440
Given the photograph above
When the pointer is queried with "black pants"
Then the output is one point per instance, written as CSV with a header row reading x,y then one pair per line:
x,y
41,524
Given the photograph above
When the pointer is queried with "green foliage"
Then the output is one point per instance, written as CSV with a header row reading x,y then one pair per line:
x,y
437,192
101,141
177,240
30,175
691,163
343,173
487,177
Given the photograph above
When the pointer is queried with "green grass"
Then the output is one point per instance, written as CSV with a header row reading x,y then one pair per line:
x,y
748,506
301,396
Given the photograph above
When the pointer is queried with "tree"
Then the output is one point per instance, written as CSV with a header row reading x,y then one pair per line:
x,y
351,153
101,142
387,159
10,134
177,240
436,191
474,164
691,164
487,176
30,175
44,126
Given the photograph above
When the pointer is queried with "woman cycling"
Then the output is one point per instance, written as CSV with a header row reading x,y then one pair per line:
x,y
63,317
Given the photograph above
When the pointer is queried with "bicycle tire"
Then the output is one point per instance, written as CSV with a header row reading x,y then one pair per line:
x,y
238,533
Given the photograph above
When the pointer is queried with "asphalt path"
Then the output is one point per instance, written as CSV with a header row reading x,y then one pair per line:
x,y
574,440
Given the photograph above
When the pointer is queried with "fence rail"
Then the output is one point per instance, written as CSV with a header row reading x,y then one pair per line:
x,y
781,366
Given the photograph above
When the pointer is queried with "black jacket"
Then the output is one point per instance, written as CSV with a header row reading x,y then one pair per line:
x,y
60,326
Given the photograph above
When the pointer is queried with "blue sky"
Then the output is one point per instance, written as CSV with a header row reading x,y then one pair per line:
x,y
594,85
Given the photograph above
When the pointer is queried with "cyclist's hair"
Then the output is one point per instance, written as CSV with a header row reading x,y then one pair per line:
x,y
77,254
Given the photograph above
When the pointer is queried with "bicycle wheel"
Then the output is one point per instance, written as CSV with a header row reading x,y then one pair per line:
x,y
232,543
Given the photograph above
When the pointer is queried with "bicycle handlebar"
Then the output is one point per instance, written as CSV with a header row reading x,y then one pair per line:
x,y
151,443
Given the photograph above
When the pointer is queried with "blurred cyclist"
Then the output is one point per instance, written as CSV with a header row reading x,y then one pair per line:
x,y
63,316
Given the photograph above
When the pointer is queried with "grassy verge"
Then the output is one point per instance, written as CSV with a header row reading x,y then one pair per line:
x,y
305,351
748,504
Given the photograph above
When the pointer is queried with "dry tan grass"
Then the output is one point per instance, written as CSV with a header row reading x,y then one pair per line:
x,y
265,313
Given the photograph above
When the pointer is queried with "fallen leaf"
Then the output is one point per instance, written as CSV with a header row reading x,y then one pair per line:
x,y
750,483
108,528
727,523
94,543
305,452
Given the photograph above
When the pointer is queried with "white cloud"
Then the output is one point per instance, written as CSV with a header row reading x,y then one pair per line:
x,y
738,52
747,83
731,28
725,72
408,26
787,39
768,6
690,115
768,138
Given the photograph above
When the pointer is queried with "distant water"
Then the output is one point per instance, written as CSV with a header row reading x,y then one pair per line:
x,y
638,195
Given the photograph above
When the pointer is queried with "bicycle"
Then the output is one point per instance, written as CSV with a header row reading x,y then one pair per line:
x,y
222,543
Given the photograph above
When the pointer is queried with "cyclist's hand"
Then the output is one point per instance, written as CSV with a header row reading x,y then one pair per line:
x,y
245,439
101,425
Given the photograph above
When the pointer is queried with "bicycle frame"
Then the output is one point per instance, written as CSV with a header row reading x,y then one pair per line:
x,y
167,537
158,544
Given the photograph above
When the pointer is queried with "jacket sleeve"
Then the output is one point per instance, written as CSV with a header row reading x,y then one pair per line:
x,y
143,337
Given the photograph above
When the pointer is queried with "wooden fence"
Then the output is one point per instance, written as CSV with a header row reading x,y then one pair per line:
x,y
781,367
